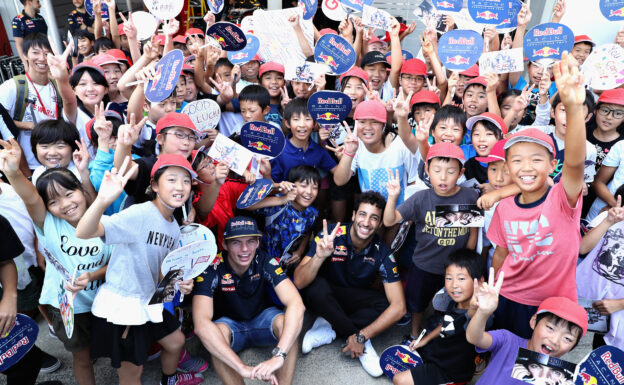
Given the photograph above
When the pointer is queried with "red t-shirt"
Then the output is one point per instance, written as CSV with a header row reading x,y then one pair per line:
x,y
224,207
543,240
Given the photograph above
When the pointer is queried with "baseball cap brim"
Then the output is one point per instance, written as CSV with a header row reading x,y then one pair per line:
x,y
528,139
489,159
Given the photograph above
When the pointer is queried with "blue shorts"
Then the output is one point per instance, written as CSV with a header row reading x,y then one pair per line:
x,y
255,332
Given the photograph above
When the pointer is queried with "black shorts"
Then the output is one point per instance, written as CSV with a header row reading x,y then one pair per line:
x,y
108,342
428,374
344,192
420,289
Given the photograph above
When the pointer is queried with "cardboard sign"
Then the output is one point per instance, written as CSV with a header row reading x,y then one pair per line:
x,y
204,113
460,49
164,9
356,5
448,5
66,308
333,10
308,7
18,342
254,193
229,36
546,42
226,150
148,24
406,54
459,215
167,74
304,72
89,8
539,368
51,260
613,10
488,11
277,37
376,18
216,6
400,237
602,366
510,22
193,233
604,68
335,52
246,54
596,322
502,62
329,107
397,359
191,259
263,138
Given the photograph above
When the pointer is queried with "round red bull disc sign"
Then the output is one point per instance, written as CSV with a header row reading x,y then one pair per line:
x,y
488,11
18,342
397,359
228,35
460,49
329,107
254,193
263,138
546,42
246,54
602,366
335,52
89,8
612,9
167,74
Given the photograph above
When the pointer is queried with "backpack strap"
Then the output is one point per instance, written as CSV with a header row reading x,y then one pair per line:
x,y
21,98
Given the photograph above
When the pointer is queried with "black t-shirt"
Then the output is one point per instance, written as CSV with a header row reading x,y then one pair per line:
x,y
475,170
239,298
136,188
602,148
11,244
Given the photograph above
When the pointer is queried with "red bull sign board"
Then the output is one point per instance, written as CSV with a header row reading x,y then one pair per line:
x,y
548,41
229,36
460,49
329,107
613,10
254,193
398,358
263,138
335,52
167,74
488,11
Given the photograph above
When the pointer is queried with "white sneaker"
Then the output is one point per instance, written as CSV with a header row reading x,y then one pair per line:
x,y
320,334
370,360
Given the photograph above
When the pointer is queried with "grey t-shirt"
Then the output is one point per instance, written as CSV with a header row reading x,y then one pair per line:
x,y
435,244
142,239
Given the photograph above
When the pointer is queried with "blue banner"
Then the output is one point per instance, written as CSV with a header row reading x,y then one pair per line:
x,y
246,54
460,49
510,22
309,8
548,41
228,35
18,342
336,52
167,75
89,8
397,359
263,138
254,193
329,107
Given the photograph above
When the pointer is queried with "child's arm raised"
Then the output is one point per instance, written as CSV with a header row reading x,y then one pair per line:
x,y
343,173
391,215
524,18
396,54
593,236
486,201
81,160
58,71
127,135
485,299
572,92
112,185
290,196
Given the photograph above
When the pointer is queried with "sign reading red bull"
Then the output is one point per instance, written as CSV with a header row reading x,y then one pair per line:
x,y
167,74
448,5
488,11
329,107
254,193
548,41
263,138
229,36
460,49
309,8
247,53
602,366
335,52
612,9
398,358
18,342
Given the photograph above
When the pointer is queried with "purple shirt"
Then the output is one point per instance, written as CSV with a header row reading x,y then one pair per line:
x,y
504,350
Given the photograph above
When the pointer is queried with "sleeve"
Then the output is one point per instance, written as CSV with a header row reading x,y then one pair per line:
x,y
312,246
276,170
12,246
103,162
273,274
559,194
327,162
206,283
409,208
542,115
500,338
495,232
614,156
519,85
18,27
388,269
124,226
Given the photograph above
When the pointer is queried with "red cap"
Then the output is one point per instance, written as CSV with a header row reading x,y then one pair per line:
x,y
161,39
425,96
567,309
271,66
478,80
414,67
402,28
188,68
531,135
446,150
193,31
497,120
584,39
175,119
256,58
471,72
374,39
119,55
497,153
103,59
325,31
88,64
188,58
371,109
108,114
356,72
615,96
167,160
179,39
120,29
195,153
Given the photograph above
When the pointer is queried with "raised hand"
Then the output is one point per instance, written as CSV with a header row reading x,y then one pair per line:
x,y
171,27
285,97
524,16
357,24
345,28
395,28
423,129
428,49
507,42
486,294
492,82
10,157
616,213
128,26
351,141
81,156
393,186
569,83
402,104
449,22
150,49
544,85
522,101
325,245
320,82
236,73
294,21
186,287
221,172
102,127
128,134
291,195
79,283
114,182
210,19
58,63
223,87
558,11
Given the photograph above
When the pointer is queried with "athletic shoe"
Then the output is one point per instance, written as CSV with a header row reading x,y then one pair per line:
x,y
407,339
52,332
370,360
320,334
188,364
186,379
481,362
405,320
154,351
49,363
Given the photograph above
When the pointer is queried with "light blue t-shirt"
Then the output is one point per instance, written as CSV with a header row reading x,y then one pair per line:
x,y
59,238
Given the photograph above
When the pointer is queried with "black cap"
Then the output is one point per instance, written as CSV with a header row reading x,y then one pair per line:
x,y
374,57
241,227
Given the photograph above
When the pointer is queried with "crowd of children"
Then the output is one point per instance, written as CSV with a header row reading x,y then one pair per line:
x,y
102,178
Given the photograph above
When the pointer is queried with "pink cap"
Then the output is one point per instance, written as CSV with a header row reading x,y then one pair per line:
x,y
175,119
271,66
375,39
497,120
256,58
195,153
119,55
325,31
193,31
446,150
161,39
120,29
567,309
103,59
425,96
88,64
497,153
168,160
107,114
471,72
179,39
356,72
371,109
615,96
531,135
584,39
414,67
478,80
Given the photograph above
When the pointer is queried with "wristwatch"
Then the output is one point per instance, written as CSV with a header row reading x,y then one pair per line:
x,y
360,338
277,352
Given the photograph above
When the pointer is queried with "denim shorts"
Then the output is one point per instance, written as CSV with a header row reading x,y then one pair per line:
x,y
254,332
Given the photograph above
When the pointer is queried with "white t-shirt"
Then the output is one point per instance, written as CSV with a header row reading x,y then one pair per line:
x,y
8,96
81,122
39,170
615,158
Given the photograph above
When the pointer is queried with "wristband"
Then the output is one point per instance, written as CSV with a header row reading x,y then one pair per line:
x,y
347,154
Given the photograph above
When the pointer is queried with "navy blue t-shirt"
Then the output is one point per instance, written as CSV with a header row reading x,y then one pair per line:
x,y
24,25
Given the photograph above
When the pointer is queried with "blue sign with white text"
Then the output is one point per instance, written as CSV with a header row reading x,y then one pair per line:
x,y
612,9
89,7
406,54
510,22
246,54
167,74
263,138
603,366
309,8
254,193
329,107
18,342
336,52
548,41
488,11
460,49
228,35
448,5
397,359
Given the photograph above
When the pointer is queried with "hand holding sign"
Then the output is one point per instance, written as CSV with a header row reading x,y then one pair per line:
x,y
167,73
20,339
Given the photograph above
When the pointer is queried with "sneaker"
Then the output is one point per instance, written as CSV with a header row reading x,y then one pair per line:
x,y
187,379
49,363
407,339
320,334
405,320
188,364
481,361
52,332
370,360
154,351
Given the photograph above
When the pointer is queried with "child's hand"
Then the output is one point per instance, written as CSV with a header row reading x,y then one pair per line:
x,y
423,128
224,88
150,49
351,141
81,156
345,28
453,80
487,201
291,195
114,182
431,86
608,306
325,245
209,18
522,101
171,27
449,22
507,42
428,49
284,187
357,24
393,186
486,188
249,177
402,104
102,127
338,150
320,82
395,28
58,63
285,97
616,213
236,74
619,38
569,83
524,16
558,11
489,34
128,134
10,157
221,172
128,26
79,283
323,133
186,287
294,21
492,82
486,294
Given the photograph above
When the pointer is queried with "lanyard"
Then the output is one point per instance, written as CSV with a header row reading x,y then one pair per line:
x,y
39,97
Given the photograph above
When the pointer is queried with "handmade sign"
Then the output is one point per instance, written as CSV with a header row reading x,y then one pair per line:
x,y
448,5
502,62
510,22
204,113
304,72
193,233
18,342
246,54
66,308
226,150
376,18
277,37
546,42
602,366
488,11
309,8
167,288
216,6
397,359
254,193
329,107
89,8
167,74
164,9
356,5
596,322
459,215
460,49
147,22
51,259
263,138
191,259
539,368
336,52
613,10
247,24
406,54
333,10
229,36
604,68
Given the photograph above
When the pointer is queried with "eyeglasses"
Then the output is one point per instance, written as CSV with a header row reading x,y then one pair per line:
x,y
181,136
410,78
617,114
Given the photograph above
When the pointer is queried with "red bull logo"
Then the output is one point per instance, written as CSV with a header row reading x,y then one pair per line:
x,y
327,116
617,12
329,60
262,191
219,39
457,59
156,78
506,21
444,4
227,279
260,146
487,15
240,55
340,250
405,358
546,52
357,2
587,379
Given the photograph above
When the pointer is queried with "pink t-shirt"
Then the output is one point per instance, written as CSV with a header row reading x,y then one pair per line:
x,y
543,240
